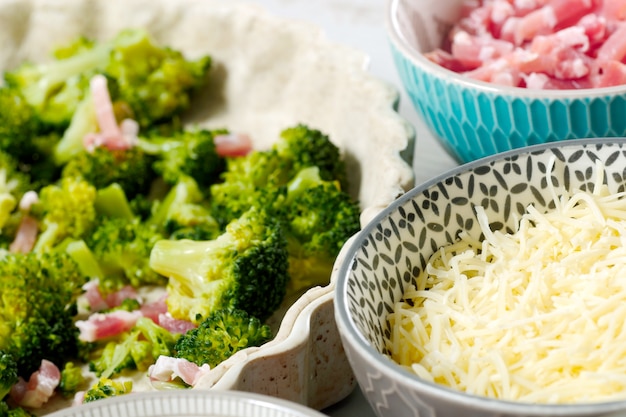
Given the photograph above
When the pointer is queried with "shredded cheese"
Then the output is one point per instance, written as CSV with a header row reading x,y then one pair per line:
x,y
536,316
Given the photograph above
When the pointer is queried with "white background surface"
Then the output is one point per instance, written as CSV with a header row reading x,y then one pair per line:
x,y
361,24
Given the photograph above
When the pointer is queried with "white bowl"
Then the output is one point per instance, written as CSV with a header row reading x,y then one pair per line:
x,y
191,404
269,73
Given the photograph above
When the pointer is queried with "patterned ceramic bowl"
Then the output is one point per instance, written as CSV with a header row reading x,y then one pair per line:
x,y
473,119
395,246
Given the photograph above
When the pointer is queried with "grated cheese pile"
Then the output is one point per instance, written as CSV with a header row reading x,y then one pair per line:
x,y
535,316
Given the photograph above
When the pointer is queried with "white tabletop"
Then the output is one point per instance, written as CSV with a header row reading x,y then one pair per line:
x,y
361,24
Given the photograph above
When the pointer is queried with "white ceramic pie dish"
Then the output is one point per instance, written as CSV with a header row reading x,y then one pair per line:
x,y
269,73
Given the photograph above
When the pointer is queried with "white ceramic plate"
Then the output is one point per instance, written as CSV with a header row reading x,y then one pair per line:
x,y
269,73
190,403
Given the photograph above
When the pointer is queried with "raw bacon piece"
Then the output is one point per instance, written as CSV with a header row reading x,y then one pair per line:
x,y
154,309
608,74
167,369
233,144
102,325
35,392
614,48
471,51
545,20
26,235
173,325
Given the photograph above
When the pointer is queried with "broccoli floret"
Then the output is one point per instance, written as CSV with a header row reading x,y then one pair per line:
x,y
7,411
55,88
184,213
130,168
220,335
39,293
304,147
189,152
137,349
156,81
243,268
65,210
107,388
8,373
13,185
122,249
319,218
258,178
72,379
18,124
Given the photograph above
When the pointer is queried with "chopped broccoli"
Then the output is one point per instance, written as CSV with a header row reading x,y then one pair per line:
x,y
189,152
220,335
65,210
8,373
244,268
18,124
137,349
304,147
319,218
13,185
130,168
55,88
157,82
122,249
107,388
258,178
7,411
72,379
39,292
184,213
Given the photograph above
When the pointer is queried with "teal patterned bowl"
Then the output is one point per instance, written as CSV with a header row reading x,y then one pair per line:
x,y
474,119
385,258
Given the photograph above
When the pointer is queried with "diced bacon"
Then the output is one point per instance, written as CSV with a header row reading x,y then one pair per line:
x,y
614,9
233,144
26,235
499,72
111,135
472,51
39,388
608,74
102,325
167,369
555,14
93,296
116,298
614,48
154,309
446,60
173,325
595,29
544,82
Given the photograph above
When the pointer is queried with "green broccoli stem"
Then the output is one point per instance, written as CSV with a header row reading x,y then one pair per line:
x,y
84,258
181,259
83,121
111,201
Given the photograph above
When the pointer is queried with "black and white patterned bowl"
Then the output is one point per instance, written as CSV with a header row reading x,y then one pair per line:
x,y
381,261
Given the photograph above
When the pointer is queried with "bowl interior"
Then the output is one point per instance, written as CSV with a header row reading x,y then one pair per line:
x,y
396,245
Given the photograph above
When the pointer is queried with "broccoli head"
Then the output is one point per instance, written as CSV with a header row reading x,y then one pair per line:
x,y
130,168
13,185
72,379
189,152
18,124
259,177
244,268
184,213
38,293
220,335
8,373
122,249
155,81
319,218
107,388
64,210
304,147
8,411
